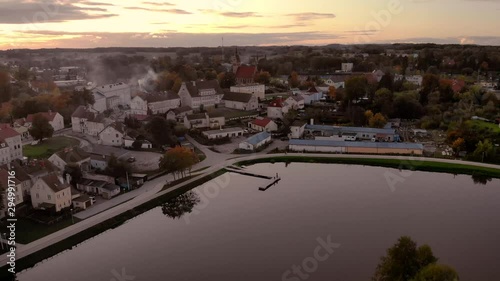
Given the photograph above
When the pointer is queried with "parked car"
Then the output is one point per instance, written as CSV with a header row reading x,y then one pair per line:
x,y
131,159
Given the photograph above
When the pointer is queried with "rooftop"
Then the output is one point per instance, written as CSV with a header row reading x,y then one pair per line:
x,y
73,154
7,133
195,87
337,129
49,115
238,97
54,182
262,122
246,72
83,113
357,144
226,130
258,138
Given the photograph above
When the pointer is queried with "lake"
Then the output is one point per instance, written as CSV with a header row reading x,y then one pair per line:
x,y
320,222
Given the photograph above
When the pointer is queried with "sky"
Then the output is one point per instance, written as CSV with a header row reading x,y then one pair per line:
x,y
192,23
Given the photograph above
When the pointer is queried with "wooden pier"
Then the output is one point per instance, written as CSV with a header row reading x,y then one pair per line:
x,y
270,180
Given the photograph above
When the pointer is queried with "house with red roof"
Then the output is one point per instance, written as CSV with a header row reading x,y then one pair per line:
x,y
55,120
245,74
10,139
263,124
277,108
312,95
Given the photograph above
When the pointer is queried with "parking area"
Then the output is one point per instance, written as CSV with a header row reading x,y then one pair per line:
x,y
144,161
235,142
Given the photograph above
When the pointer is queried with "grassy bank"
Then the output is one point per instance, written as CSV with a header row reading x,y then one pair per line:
x,y
417,165
68,243
46,148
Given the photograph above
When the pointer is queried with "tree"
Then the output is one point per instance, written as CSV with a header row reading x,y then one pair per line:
x,y
176,207
294,80
332,92
5,88
377,121
137,144
458,145
403,261
178,160
484,151
162,131
356,87
41,127
74,171
383,100
263,77
116,168
407,106
227,79
436,272
386,81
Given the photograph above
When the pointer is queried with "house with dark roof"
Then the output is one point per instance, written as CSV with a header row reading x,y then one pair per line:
x,y
277,108
156,103
51,193
87,121
55,120
71,156
256,141
201,93
113,134
178,114
245,74
240,101
263,124
210,120
99,184
312,95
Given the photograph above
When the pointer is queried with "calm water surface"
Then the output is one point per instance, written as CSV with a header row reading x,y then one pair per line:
x,y
240,233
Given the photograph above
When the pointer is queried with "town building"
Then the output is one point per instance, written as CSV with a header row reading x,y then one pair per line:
x,y
5,182
11,139
51,193
258,90
99,184
362,133
297,129
263,124
312,95
223,133
198,94
113,134
87,121
71,156
240,101
277,108
56,120
347,67
295,102
256,141
245,74
111,96
178,114
355,147
204,120
156,103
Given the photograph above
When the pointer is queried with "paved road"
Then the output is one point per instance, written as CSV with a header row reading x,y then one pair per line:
x,y
150,191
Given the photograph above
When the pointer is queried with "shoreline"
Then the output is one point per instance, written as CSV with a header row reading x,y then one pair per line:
x,y
117,217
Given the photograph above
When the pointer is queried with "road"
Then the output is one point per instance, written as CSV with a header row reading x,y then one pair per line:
x,y
151,189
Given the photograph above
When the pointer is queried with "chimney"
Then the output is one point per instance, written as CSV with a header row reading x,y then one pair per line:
x,y
312,121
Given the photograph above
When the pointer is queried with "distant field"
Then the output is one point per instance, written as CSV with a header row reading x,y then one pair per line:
x,y
48,147
486,125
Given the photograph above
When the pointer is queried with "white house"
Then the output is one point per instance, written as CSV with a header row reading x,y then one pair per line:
x,y
263,124
18,190
204,120
138,105
129,141
197,93
99,184
73,156
295,102
12,139
297,129
99,161
51,193
112,135
276,109
312,95
240,101
223,133
160,103
258,90
178,114
55,120
256,141
113,96
347,67
87,121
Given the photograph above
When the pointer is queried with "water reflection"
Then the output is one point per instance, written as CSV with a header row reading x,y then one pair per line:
x,y
481,179
176,207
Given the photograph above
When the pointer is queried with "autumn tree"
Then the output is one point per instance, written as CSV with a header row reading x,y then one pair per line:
x,y
356,87
436,272
263,77
5,87
377,121
294,80
332,92
162,131
176,207
458,145
227,79
41,128
178,160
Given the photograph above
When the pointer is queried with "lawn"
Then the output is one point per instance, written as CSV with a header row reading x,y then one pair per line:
x,y
28,231
48,147
486,126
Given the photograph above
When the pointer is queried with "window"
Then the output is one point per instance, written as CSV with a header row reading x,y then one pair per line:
x,y
37,196
48,197
116,135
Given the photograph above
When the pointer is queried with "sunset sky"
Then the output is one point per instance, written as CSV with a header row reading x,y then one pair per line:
x,y
130,23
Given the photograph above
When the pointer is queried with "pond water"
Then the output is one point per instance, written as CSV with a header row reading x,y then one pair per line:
x,y
320,222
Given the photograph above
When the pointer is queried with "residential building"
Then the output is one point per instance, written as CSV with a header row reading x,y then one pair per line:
x,y
263,124
111,96
258,90
12,139
98,161
201,93
355,147
178,114
377,75
4,153
245,74
51,193
71,156
240,101
347,67
139,105
223,133
414,79
297,129
277,108
312,95
56,120
157,103
295,102
99,185
362,133
87,121
5,183
204,120
128,142
337,81
256,141
113,134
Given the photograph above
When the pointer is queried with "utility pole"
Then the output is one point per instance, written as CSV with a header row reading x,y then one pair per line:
x,y
128,183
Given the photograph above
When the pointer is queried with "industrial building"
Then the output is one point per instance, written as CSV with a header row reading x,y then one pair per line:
x,y
355,147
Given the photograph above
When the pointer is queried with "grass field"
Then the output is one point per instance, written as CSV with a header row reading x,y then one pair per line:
x,y
28,231
485,125
48,147
427,166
